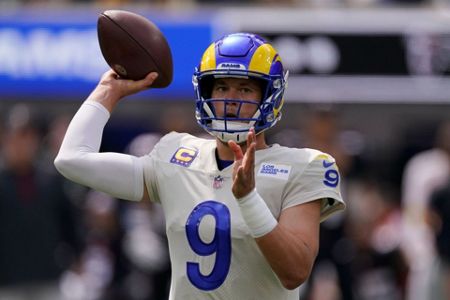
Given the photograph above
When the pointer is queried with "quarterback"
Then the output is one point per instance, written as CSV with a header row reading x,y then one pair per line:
x,y
242,216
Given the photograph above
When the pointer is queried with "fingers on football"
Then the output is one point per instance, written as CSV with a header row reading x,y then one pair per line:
x,y
150,78
144,83
109,74
134,86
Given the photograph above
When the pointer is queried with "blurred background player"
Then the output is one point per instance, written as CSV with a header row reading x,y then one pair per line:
x,y
439,220
39,222
424,173
257,207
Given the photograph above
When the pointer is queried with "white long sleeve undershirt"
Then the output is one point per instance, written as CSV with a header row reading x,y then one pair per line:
x,y
79,160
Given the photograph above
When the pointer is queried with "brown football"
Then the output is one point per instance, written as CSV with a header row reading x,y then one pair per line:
x,y
133,46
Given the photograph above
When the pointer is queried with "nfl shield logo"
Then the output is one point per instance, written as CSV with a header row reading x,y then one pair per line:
x,y
218,182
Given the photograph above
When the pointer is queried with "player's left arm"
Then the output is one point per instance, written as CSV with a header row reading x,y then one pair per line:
x,y
292,246
289,245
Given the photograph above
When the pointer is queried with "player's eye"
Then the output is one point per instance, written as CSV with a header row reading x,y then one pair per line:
x,y
220,88
246,90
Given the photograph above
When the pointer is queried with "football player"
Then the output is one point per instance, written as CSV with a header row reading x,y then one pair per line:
x,y
242,216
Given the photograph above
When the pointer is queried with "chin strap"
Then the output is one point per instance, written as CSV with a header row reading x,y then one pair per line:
x,y
239,130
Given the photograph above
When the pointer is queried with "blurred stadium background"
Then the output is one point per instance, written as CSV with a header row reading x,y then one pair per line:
x,y
369,84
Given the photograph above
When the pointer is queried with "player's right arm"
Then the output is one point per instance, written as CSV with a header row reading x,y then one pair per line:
x,y
79,160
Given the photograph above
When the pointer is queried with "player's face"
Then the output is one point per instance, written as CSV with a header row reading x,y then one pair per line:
x,y
239,89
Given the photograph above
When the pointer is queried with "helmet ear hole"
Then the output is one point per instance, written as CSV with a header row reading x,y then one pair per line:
x,y
206,83
263,86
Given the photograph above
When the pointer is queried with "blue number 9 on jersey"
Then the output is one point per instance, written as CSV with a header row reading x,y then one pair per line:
x,y
220,245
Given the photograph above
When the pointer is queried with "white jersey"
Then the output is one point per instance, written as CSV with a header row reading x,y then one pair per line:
x,y
212,253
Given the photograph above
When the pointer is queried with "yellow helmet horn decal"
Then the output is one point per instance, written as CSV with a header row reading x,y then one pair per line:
x,y
209,59
263,58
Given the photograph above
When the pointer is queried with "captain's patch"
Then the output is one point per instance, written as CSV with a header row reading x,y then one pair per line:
x,y
184,156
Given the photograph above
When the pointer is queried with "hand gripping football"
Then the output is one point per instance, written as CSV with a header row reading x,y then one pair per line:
x,y
133,46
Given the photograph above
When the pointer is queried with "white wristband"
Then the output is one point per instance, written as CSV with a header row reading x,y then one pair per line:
x,y
256,214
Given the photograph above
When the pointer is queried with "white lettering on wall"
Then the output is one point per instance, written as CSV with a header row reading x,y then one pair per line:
x,y
46,54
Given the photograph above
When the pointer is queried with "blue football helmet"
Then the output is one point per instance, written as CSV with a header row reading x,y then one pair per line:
x,y
239,55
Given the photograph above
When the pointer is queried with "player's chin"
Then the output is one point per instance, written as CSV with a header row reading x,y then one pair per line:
x,y
243,143
225,143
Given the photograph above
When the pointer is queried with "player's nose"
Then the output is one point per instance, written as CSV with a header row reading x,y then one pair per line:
x,y
233,94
